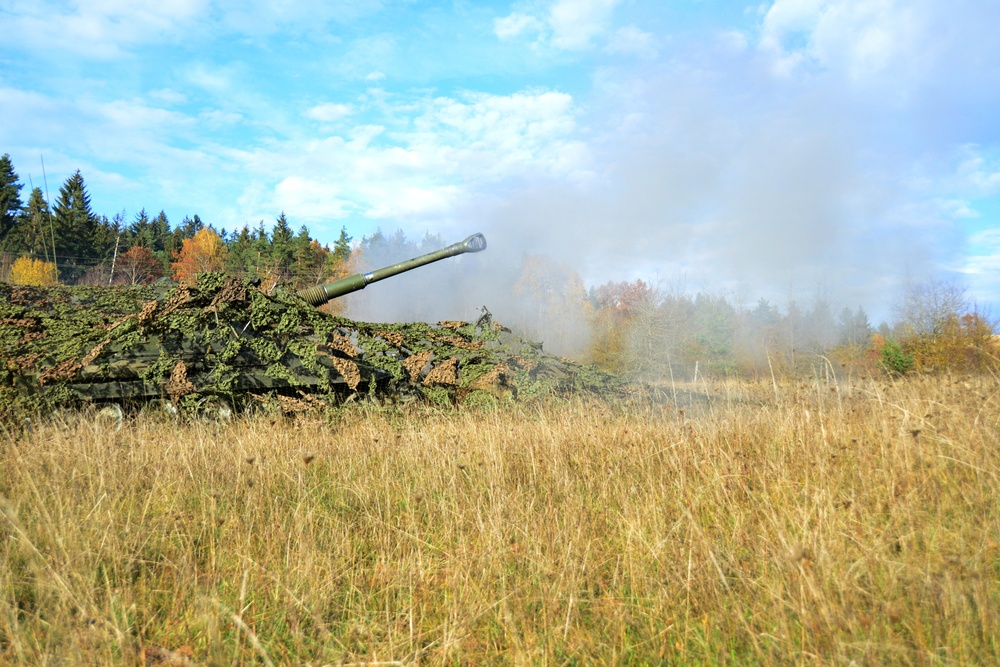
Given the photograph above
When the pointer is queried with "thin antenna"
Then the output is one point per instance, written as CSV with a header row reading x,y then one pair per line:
x,y
52,231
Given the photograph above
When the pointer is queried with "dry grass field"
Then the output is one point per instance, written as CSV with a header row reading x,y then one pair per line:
x,y
797,524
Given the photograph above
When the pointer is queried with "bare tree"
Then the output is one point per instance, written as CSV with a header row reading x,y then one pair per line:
x,y
926,305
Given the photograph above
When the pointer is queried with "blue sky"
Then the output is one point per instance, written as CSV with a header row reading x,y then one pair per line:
x,y
781,149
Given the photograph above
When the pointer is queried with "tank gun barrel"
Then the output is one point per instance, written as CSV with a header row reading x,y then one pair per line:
x,y
317,296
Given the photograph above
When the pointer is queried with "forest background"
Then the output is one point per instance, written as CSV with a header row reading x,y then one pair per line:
x,y
639,329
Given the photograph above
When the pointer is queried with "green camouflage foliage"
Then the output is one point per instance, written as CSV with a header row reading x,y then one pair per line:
x,y
225,339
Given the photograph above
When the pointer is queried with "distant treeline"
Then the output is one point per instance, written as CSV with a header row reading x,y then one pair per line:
x,y
89,248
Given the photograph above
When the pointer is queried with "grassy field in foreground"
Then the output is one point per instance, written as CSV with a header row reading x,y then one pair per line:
x,y
798,524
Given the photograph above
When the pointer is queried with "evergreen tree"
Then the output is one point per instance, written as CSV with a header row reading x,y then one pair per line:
x,y
239,259
165,242
161,232
342,248
191,226
105,236
281,245
260,254
715,326
793,331
853,328
10,198
309,258
75,224
764,316
301,241
140,232
821,328
862,326
34,228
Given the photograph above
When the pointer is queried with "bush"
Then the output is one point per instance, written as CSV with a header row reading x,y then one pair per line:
x,y
895,359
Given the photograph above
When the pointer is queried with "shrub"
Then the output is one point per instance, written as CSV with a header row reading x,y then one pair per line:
x,y
895,359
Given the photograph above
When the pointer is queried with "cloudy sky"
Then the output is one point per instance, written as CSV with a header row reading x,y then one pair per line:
x,y
780,149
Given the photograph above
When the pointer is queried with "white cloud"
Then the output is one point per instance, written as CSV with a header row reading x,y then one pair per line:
x,y
498,135
327,113
979,173
857,38
575,23
168,96
734,41
790,16
567,24
109,29
864,38
982,267
414,202
630,40
310,198
217,118
437,155
956,209
104,29
516,25
215,80
262,17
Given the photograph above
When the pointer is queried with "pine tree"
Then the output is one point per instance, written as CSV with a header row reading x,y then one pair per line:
x,y
238,258
10,198
161,232
260,255
140,232
75,224
342,248
821,327
165,242
308,260
281,245
191,226
104,238
854,328
34,235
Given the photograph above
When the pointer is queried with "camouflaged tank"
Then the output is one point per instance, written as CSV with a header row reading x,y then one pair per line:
x,y
225,340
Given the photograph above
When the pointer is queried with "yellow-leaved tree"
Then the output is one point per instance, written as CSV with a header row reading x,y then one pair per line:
x,y
203,252
35,272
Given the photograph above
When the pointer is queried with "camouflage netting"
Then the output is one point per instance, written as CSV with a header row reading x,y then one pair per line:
x,y
224,338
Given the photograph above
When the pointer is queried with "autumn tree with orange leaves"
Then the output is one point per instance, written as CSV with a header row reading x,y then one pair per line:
x,y
202,253
617,306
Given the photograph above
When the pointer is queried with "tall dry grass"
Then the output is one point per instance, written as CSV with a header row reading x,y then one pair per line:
x,y
769,525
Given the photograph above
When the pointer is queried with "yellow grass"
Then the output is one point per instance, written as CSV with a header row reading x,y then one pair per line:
x,y
797,524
